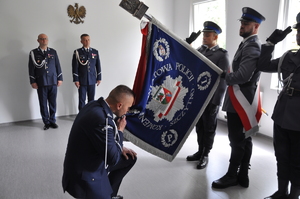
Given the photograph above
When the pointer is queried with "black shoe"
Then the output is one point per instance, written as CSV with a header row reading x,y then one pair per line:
x,y
46,127
196,156
278,195
117,197
53,125
243,180
202,162
224,182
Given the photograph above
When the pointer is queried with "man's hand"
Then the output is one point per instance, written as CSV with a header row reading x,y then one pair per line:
x,y
193,37
223,74
98,82
278,35
34,85
77,84
59,83
121,123
127,151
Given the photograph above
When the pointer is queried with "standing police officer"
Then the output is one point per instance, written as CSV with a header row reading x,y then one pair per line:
x,y
86,70
45,75
206,126
245,77
286,128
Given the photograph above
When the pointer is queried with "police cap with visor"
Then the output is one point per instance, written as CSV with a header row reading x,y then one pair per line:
x,y
210,26
250,14
297,25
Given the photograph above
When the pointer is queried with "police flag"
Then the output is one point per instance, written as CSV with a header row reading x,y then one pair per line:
x,y
173,84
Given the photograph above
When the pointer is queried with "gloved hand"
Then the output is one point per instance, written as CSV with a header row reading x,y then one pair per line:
x,y
279,35
223,74
193,37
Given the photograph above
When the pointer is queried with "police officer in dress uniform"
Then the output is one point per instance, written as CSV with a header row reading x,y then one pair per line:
x,y
96,160
206,126
45,75
86,70
286,114
245,75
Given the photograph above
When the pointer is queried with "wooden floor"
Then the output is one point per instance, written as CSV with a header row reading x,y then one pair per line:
x,y
32,159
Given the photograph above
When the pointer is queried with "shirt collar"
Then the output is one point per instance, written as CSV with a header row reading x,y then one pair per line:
x,y
248,38
211,47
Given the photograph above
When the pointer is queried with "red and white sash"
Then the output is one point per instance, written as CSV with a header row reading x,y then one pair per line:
x,y
250,114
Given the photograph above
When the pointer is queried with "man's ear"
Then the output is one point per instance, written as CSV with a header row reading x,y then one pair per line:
x,y
119,105
216,36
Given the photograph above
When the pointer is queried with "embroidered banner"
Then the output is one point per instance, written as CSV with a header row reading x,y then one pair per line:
x,y
174,83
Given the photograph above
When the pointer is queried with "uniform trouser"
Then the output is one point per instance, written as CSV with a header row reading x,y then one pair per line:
x,y
287,152
47,96
241,147
206,128
84,91
118,172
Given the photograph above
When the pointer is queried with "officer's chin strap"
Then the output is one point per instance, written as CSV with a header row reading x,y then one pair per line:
x,y
82,63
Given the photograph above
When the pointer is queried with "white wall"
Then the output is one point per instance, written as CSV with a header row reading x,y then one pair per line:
x,y
114,32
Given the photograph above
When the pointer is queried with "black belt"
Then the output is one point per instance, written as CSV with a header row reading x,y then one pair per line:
x,y
290,91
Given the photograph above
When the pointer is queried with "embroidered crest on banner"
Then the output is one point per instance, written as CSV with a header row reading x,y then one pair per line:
x,y
167,98
168,138
204,80
161,49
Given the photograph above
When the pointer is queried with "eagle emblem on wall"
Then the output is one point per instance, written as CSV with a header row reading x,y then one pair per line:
x,y
76,13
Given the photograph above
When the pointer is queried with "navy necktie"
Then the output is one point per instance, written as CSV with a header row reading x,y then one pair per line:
x,y
240,44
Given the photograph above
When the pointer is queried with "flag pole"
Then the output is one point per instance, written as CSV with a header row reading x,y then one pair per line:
x,y
148,17
136,8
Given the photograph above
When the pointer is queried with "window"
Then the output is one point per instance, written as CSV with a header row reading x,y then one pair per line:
x,y
209,10
286,17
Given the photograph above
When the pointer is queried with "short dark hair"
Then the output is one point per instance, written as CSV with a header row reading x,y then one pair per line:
x,y
84,35
118,92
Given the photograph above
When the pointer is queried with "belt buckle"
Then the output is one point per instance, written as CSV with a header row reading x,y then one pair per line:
x,y
290,91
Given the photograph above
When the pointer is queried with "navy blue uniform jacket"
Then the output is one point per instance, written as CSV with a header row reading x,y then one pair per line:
x,y
84,165
45,69
86,66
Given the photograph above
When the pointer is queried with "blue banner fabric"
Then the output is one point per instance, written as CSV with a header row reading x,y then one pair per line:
x,y
175,83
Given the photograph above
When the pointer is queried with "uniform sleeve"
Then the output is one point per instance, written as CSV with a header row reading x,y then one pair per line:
x,y
265,63
224,62
247,65
58,68
102,133
75,67
31,69
98,67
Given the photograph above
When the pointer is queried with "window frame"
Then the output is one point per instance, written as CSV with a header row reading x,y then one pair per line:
x,y
222,37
